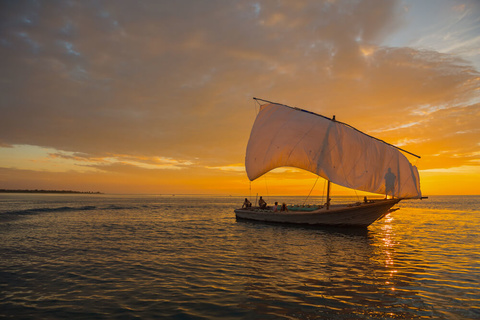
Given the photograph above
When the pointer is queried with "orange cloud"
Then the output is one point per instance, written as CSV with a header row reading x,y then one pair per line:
x,y
165,88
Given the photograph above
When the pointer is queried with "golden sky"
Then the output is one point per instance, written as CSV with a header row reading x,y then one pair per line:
x,y
156,96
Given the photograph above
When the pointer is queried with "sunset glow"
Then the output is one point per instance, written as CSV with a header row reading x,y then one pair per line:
x,y
156,97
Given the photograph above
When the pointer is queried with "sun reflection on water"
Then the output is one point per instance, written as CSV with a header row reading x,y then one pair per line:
x,y
388,248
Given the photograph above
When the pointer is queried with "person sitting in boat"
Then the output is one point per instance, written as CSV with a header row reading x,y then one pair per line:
x,y
284,207
389,183
275,207
246,204
262,203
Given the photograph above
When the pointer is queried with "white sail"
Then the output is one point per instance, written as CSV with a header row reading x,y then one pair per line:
x,y
283,136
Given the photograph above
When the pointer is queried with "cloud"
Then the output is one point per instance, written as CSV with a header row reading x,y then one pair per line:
x,y
231,168
36,158
169,84
156,75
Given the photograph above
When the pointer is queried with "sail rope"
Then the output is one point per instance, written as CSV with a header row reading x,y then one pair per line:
x,y
411,177
250,182
266,185
356,194
256,106
311,190
323,192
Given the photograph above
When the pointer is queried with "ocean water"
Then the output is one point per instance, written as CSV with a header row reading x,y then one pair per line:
x,y
186,257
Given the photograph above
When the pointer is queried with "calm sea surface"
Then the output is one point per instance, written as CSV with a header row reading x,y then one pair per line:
x,y
179,257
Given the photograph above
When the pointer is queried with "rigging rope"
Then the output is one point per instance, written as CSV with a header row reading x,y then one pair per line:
x,y
410,177
266,186
250,182
323,192
311,190
255,103
356,195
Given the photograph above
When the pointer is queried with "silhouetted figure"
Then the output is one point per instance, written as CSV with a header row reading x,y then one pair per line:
x,y
246,203
275,207
262,204
389,183
284,207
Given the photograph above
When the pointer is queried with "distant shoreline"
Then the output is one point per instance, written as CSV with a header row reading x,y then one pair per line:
x,y
48,191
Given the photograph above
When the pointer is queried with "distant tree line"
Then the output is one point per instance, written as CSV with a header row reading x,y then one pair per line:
x,y
48,191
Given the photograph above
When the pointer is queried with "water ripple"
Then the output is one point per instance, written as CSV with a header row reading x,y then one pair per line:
x,y
187,258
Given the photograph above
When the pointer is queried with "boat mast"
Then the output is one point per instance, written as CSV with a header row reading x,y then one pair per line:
x,y
328,194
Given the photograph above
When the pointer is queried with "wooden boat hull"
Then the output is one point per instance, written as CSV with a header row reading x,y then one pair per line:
x,y
359,214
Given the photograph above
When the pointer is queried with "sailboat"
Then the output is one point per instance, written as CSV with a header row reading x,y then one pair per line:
x,y
284,136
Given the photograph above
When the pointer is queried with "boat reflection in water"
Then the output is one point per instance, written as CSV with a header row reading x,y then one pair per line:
x,y
317,272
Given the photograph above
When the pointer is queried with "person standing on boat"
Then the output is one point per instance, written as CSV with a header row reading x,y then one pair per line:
x,y
389,183
246,204
275,207
262,203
